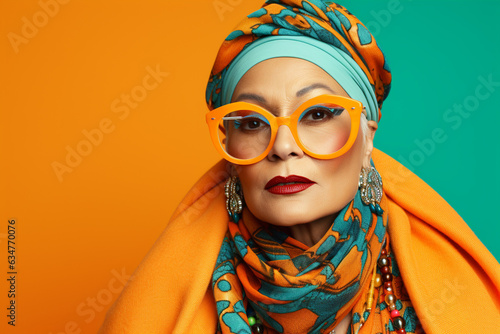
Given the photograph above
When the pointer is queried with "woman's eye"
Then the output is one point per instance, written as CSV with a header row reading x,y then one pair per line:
x,y
250,124
321,114
253,124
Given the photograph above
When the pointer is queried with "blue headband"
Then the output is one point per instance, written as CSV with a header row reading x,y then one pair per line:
x,y
336,63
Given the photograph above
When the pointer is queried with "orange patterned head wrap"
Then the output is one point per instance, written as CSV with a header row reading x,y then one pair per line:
x,y
324,21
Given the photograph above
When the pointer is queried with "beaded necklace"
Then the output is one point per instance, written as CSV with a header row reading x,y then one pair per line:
x,y
385,278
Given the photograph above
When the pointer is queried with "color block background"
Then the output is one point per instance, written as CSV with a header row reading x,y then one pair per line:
x,y
97,98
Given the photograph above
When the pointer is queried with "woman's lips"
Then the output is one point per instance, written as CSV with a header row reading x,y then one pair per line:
x,y
292,184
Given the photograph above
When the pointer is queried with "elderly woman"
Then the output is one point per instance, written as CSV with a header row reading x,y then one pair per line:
x,y
305,227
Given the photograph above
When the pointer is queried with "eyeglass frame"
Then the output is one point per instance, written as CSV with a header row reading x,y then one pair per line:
x,y
354,108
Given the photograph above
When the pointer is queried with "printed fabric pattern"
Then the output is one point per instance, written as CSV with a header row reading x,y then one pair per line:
x,y
325,21
298,289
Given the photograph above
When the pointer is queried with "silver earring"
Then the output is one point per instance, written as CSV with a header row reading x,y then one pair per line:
x,y
370,184
234,198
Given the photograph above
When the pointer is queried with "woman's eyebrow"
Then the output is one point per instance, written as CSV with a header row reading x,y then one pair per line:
x,y
303,91
249,96
311,87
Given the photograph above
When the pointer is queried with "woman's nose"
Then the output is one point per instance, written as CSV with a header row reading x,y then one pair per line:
x,y
285,146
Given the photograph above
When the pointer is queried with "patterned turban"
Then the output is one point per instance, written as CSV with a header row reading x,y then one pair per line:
x,y
323,21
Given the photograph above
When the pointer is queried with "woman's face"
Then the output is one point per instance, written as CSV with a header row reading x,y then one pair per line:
x,y
280,85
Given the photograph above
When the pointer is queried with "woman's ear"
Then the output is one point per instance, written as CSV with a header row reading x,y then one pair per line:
x,y
370,134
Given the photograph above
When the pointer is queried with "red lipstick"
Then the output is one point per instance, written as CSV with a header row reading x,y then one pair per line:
x,y
292,184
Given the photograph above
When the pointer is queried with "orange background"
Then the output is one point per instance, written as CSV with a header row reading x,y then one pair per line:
x,y
83,229
107,212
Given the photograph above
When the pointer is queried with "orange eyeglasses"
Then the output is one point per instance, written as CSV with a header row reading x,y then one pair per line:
x,y
324,127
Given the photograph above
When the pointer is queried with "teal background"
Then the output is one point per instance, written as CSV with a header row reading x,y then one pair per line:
x,y
437,50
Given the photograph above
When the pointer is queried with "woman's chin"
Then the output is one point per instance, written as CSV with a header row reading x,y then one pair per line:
x,y
291,218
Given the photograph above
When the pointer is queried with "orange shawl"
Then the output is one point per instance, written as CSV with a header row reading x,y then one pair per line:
x,y
453,281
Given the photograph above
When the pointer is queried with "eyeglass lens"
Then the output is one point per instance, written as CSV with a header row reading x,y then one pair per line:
x,y
323,129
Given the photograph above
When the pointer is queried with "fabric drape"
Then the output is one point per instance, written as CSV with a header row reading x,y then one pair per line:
x,y
298,289
320,20
452,280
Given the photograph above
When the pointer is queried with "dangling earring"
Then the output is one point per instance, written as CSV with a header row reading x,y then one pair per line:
x,y
234,198
370,184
